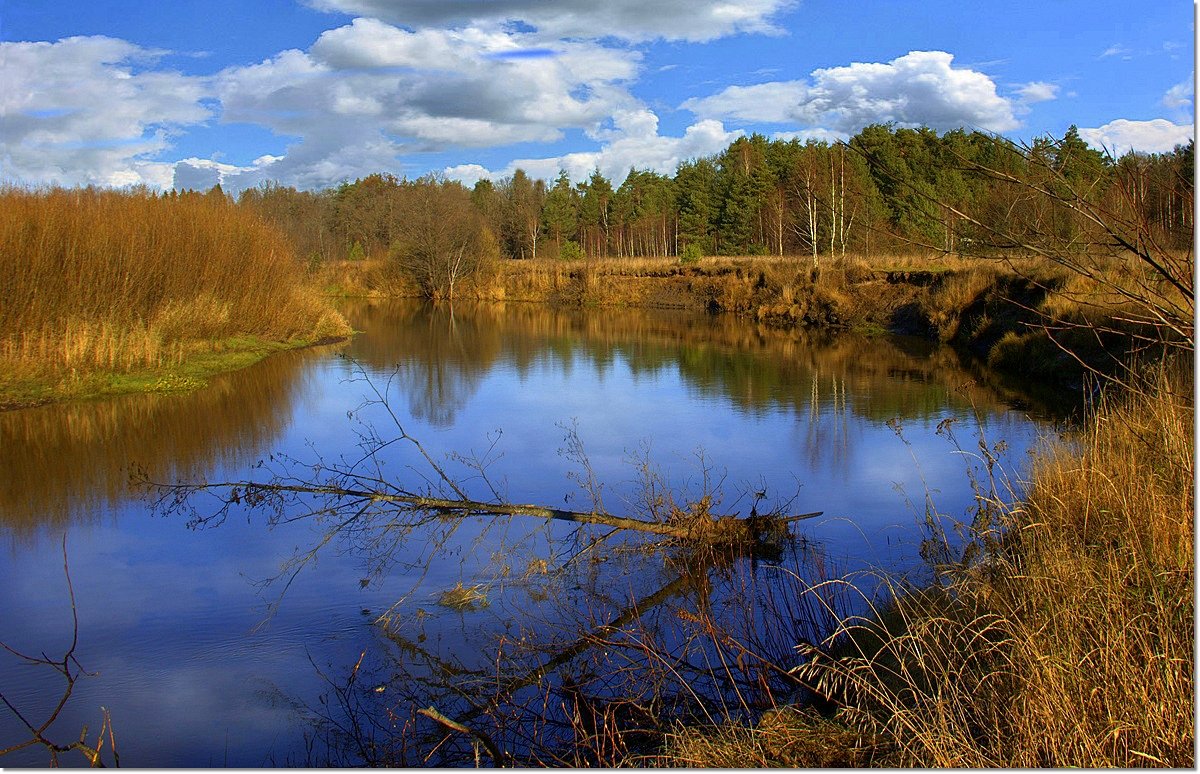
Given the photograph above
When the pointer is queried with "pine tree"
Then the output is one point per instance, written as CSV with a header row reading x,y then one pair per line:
x,y
594,210
560,214
696,202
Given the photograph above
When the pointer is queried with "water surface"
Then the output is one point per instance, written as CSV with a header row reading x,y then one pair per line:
x,y
173,621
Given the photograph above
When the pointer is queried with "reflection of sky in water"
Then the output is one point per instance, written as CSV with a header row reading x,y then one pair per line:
x,y
168,616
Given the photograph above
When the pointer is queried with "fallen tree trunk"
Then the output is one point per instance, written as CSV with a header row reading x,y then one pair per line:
x,y
691,527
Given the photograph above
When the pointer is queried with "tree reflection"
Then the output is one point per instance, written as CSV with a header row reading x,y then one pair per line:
x,y
438,357
62,462
757,367
592,675
435,354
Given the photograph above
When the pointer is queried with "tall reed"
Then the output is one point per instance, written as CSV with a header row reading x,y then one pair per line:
x,y
117,281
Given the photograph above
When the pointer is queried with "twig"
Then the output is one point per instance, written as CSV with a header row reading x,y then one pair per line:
x,y
486,740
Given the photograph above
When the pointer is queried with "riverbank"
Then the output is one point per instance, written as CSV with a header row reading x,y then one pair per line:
x,y
1001,313
191,372
1069,644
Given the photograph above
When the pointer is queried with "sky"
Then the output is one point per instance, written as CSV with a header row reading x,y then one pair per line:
x,y
311,93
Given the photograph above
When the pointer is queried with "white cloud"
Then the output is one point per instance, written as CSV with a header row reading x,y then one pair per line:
x,y
920,88
1037,91
368,92
1116,49
1179,96
1122,135
632,20
89,110
469,174
203,174
776,102
634,141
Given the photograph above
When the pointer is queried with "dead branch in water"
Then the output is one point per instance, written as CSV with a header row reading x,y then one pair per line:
x,y
69,667
723,530
359,502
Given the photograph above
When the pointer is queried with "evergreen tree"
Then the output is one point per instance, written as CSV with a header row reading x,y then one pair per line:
x,y
742,193
594,211
696,202
560,214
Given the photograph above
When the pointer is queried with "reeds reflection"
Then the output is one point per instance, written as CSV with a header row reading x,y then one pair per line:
x,y
71,462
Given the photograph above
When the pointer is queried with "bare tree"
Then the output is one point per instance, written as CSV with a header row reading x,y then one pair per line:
x,y
442,238
804,181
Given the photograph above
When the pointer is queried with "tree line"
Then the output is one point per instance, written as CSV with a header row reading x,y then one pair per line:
x,y
887,189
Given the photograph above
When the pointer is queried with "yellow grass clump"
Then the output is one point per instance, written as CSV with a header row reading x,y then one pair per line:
x,y
119,281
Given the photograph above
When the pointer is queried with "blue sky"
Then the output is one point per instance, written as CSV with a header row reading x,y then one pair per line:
x,y
312,92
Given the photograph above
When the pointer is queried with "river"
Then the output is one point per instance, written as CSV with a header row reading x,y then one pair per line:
x,y
201,663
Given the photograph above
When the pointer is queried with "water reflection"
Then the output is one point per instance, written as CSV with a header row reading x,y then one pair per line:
x,y
442,355
608,661
71,462
438,358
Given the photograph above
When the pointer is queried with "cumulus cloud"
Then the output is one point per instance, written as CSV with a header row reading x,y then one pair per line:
x,y
920,88
90,110
631,20
1122,135
633,141
366,93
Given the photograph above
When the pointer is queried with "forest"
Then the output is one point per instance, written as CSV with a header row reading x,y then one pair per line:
x,y
887,190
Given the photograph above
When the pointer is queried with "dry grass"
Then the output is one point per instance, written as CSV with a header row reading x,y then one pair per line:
x,y
368,278
1103,608
945,305
465,598
1070,644
110,281
783,738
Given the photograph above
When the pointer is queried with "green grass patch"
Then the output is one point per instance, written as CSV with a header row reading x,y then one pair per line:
x,y
870,329
216,357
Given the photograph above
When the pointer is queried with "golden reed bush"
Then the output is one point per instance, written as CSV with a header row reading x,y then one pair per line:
x,y
1102,604
108,280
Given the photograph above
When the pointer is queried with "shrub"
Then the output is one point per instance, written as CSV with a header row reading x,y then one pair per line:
x,y
570,251
105,280
692,253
